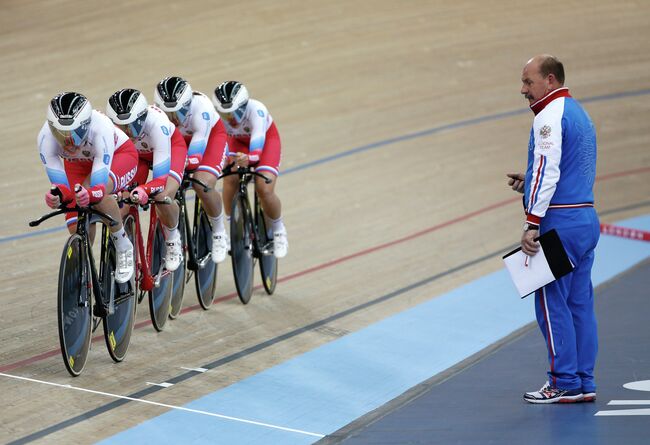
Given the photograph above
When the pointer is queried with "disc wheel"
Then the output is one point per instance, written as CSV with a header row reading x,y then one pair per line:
x,y
74,306
160,297
178,288
241,246
268,261
118,325
206,275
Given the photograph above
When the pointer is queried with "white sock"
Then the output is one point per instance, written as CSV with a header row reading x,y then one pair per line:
x,y
278,225
120,239
217,223
171,234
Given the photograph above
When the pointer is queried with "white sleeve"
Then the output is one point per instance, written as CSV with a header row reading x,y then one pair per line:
x,y
48,149
547,133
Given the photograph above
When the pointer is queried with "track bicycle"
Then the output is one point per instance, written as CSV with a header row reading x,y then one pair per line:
x,y
197,248
250,239
152,278
79,280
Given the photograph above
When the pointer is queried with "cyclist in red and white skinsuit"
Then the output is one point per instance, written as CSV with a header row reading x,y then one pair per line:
x,y
82,150
162,149
253,140
196,119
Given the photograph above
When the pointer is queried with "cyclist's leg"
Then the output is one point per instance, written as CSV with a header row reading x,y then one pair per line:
x,y
168,214
122,172
269,166
208,172
230,182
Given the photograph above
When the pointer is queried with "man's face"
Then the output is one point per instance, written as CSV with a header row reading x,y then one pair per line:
x,y
534,86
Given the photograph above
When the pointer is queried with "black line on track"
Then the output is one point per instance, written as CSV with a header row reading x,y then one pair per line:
x,y
260,346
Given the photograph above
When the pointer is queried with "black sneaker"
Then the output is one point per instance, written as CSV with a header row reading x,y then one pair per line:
x,y
551,394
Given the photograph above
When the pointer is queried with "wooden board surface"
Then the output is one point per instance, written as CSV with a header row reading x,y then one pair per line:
x,y
393,139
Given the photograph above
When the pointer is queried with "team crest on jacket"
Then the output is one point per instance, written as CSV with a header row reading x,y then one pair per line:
x,y
545,131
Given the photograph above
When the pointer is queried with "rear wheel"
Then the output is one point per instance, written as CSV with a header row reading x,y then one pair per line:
x,y
118,324
206,274
178,287
160,296
268,261
74,306
241,246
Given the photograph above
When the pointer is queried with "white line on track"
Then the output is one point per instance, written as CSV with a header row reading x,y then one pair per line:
x,y
629,402
194,369
180,408
163,384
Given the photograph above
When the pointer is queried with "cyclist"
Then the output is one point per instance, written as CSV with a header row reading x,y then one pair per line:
x,y
162,149
194,116
88,159
253,139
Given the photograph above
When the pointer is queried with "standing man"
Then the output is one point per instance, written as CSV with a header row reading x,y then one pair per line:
x,y
558,194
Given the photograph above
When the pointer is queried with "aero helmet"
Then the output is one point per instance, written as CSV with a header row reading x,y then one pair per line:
x,y
230,99
127,109
173,95
68,117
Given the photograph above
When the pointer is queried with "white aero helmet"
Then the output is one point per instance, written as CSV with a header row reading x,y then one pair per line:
x,y
230,99
68,117
128,109
173,95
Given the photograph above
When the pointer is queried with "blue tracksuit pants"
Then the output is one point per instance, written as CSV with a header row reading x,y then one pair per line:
x,y
565,308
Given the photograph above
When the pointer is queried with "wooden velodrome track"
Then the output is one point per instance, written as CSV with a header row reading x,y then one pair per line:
x,y
398,120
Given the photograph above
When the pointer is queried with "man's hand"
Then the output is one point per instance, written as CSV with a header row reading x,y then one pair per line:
x,y
140,195
528,245
51,200
516,181
240,159
81,195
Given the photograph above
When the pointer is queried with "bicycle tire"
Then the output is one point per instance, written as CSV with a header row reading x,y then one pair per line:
x,y
206,275
241,247
268,261
178,282
160,297
74,304
118,325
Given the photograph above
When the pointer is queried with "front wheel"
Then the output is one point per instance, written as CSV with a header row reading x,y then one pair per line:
x,y
118,324
178,288
161,295
74,306
241,247
206,274
268,261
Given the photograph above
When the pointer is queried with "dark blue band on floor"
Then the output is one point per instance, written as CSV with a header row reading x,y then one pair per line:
x,y
483,403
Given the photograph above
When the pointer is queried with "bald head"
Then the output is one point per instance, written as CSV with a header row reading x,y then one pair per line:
x,y
547,64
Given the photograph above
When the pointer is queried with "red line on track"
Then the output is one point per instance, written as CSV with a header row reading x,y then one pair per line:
x,y
48,354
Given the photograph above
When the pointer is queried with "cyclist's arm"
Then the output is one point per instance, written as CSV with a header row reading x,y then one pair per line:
x,y
202,126
259,121
103,148
160,138
49,152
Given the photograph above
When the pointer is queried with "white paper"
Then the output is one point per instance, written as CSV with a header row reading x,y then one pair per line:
x,y
528,273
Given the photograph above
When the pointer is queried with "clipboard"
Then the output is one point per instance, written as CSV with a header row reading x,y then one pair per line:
x,y
532,273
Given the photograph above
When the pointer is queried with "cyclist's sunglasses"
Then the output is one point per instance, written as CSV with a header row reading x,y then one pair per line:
x,y
68,138
134,129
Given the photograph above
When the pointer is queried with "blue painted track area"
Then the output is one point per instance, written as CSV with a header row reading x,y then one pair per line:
x,y
477,340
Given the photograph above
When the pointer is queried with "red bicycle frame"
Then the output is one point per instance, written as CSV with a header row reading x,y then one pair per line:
x,y
144,275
